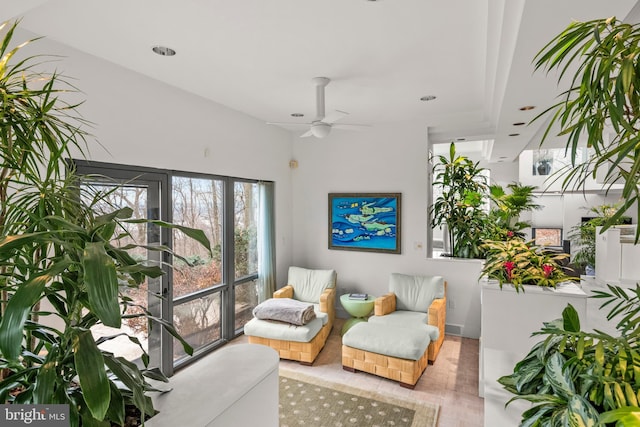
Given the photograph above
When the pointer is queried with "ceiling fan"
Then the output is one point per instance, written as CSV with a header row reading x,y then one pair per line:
x,y
321,126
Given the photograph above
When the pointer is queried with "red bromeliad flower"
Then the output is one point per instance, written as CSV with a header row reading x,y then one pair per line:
x,y
547,269
509,233
509,266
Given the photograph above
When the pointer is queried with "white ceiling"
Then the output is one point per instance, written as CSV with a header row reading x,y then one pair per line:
x,y
258,56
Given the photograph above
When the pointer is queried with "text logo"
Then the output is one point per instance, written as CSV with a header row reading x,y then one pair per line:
x,y
43,415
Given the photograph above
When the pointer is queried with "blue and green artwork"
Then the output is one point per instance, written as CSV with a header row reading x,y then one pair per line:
x,y
366,222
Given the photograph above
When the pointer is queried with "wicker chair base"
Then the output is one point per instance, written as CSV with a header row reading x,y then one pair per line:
x,y
304,352
407,372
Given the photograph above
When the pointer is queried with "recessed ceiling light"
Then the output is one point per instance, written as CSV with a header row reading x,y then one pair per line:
x,y
519,124
527,107
514,134
163,50
428,98
297,115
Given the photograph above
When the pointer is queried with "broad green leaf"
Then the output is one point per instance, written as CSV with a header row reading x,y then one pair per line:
x,y
557,377
91,374
102,284
18,308
581,413
116,406
570,319
46,379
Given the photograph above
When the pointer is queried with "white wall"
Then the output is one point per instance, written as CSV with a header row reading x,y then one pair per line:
x,y
143,122
384,159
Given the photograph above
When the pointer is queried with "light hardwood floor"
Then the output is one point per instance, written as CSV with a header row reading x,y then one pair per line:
x,y
451,382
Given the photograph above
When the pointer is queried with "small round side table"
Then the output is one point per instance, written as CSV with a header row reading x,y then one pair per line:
x,y
358,308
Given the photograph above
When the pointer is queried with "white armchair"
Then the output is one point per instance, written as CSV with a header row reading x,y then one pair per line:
x,y
301,343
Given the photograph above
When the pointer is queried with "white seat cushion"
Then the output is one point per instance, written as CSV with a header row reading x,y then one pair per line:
x,y
394,341
283,331
407,319
415,293
308,285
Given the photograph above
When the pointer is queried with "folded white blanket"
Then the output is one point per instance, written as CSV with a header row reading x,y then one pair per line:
x,y
285,310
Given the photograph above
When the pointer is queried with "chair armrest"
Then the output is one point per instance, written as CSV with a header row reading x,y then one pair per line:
x,y
385,304
328,303
327,300
285,292
437,312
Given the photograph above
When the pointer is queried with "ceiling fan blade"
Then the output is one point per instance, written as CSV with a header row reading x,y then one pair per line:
x,y
306,134
350,126
288,124
334,116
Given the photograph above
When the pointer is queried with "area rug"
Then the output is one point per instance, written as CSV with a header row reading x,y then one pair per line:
x,y
309,401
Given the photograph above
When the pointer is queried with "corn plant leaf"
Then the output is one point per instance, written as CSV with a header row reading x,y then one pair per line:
x,y
18,308
91,374
196,234
116,406
46,379
102,284
131,377
626,416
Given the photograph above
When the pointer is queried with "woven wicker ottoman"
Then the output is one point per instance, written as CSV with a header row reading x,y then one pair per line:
x,y
397,353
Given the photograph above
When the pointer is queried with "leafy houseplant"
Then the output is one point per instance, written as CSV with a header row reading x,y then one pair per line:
x,y
517,262
584,235
55,246
603,99
575,377
504,217
582,378
459,207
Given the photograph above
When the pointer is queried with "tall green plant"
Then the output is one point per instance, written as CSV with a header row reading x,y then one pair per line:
x,y
583,235
504,216
55,246
464,188
603,100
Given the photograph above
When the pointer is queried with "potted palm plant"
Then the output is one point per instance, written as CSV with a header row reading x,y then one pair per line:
x,y
56,247
583,236
504,216
572,376
459,207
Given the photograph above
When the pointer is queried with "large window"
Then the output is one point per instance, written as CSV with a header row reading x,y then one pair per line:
x,y
207,296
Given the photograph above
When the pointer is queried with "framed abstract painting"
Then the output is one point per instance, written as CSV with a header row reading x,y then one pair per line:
x,y
365,222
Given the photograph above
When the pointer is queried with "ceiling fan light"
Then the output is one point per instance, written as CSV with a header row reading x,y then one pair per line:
x,y
320,129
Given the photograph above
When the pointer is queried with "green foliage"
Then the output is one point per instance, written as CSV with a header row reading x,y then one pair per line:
x,y
583,236
459,207
503,221
55,246
520,263
583,378
604,94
